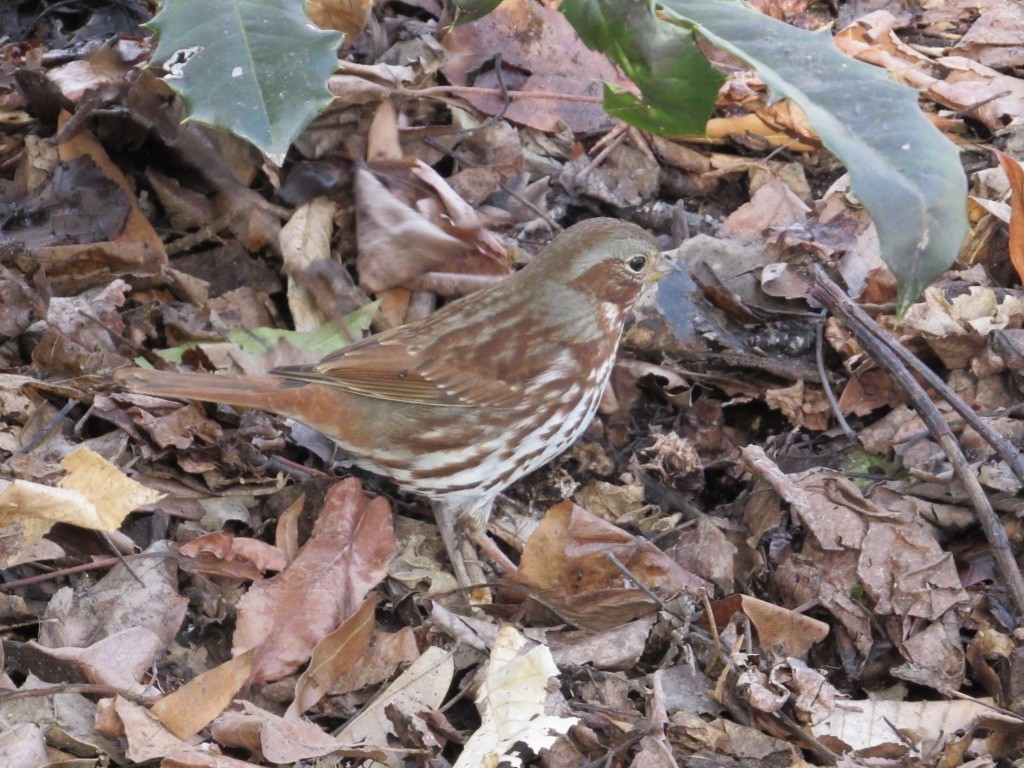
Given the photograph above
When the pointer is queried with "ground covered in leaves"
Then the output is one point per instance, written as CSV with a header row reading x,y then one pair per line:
x,y
759,554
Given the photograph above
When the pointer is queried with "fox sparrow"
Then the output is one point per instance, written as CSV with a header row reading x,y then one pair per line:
x,y
460,405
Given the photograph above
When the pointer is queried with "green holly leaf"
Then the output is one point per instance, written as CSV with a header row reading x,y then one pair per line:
x,y
256,68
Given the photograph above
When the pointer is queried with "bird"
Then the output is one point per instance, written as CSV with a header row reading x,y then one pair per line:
x,y
458,406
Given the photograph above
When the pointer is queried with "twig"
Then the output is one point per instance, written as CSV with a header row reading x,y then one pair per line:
x,y
206,232
1007,451
53,690
830,395
45,432
105,537
987,704
617,136
713,629
887,355
520,198
795,730
93,566
469,90
530,593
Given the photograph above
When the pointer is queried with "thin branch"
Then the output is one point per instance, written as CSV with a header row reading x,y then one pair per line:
x,y
469,90
891,356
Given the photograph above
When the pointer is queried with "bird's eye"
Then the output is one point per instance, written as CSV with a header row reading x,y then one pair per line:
x,y
637,263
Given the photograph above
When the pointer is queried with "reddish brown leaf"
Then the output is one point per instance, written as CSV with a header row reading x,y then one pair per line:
x,y
348,554
334,655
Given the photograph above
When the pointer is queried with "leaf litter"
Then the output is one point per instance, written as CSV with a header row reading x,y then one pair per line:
x,y
719,571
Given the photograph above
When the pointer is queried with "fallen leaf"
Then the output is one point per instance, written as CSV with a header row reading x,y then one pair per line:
x,y
779,629
512,704
334,655
1015,175
347,555
422,687
196,704
281,740
538,41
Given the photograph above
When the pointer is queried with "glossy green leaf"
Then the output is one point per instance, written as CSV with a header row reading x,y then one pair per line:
x,y
471,10
904,171
256,68
678,84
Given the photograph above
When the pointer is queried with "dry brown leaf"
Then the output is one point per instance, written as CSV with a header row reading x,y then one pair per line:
x,y
221,545
803,406
348,16
537,40
772,205
281,740
147,738
566,559
334,655
305,239
689,731
894,556
286,534
196,704
616,649
347,555
779,629
23,746
120,660
870,723
94,494
1015,175
996,38
144,597
380,661
421,688
708,552
384,221
193,758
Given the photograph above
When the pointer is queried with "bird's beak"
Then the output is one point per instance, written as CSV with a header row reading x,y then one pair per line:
x,y
664,269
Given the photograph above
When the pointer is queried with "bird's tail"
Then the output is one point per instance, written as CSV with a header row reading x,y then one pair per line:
x,y
264,392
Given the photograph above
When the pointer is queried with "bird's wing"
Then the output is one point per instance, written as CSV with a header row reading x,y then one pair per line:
x,y
388,367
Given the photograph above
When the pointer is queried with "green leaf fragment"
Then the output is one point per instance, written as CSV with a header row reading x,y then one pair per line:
x,y
321,341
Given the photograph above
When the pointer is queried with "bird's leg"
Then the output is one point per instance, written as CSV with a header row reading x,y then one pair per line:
x,y
447,519
498,558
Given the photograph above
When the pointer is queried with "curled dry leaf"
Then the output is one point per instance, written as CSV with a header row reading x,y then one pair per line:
x,y
281,740
346,16
306,239
120,660
779,629
401,239
221,545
